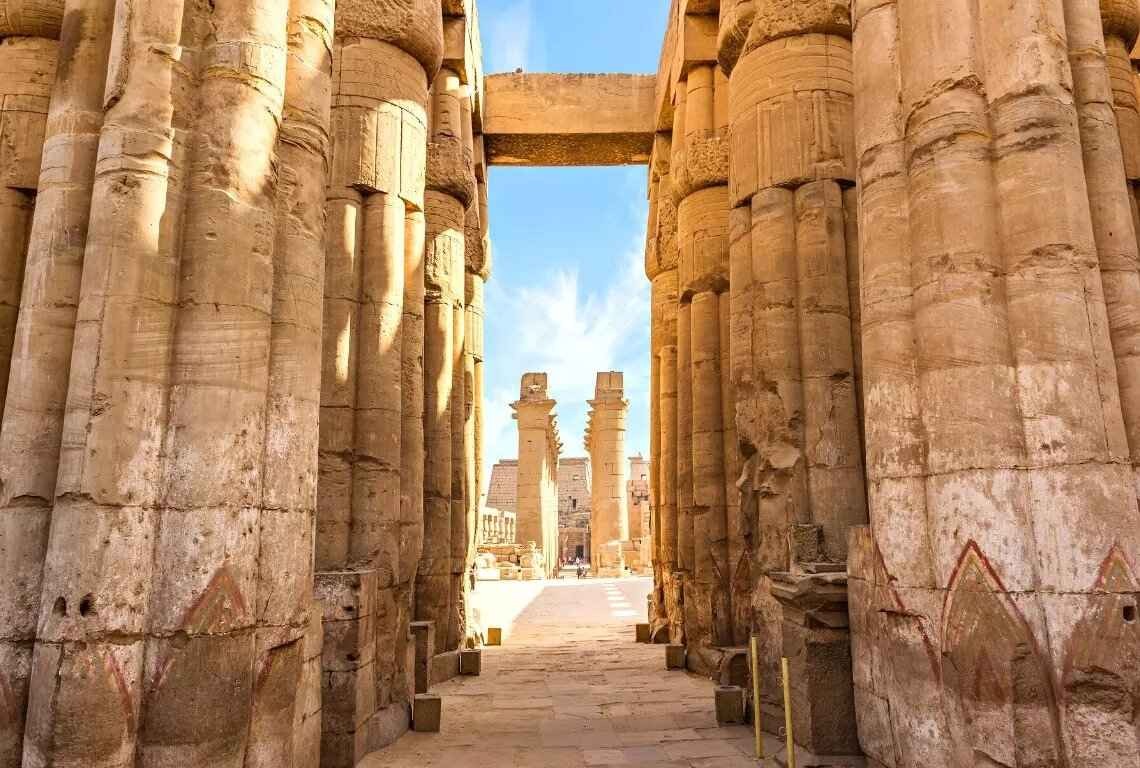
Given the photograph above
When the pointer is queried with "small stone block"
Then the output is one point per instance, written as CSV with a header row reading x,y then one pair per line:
x,y
674,656
494,636
643,633
427,711
470,662
729,704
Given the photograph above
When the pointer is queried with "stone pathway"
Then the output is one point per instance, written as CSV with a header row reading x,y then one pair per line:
x,y
571,688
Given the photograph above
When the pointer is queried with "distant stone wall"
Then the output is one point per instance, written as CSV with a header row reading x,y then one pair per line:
x,y
502,491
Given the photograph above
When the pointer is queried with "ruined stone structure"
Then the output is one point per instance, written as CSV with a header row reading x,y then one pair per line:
x,y
929,267
496,526
895,410
503,486
574,499
537,478
573,486
213,219
609,474
638,551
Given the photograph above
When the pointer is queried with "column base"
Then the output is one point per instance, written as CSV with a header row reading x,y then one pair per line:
x,y
817,643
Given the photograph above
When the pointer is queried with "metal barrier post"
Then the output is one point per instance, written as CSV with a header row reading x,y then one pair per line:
x,y
788,714
756,699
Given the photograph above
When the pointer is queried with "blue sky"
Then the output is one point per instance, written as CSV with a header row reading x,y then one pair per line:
x,y
568,294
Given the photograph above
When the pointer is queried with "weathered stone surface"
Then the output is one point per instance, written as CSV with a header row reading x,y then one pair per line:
x,y
537,479
154,514
546,119
416,26
964,321
605,442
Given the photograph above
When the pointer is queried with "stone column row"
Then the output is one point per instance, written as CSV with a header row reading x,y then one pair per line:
x,y
29,49
478,260
661,269
369,535
660,259
159,450
170,306
451,192
794,320
699,174
997,268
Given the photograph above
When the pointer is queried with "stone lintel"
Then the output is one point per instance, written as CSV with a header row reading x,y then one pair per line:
x,y
542,119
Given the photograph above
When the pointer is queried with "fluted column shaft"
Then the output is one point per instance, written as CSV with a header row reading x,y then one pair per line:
x,y
177,573
989,213
29,48
699,170
451,191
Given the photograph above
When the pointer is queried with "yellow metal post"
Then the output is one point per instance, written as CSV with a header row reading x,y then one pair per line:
x,y
756,726
788,714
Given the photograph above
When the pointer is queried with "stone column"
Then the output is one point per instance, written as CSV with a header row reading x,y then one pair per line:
x,y
537,514
477,311
609,470
661,269
684,388
478,270
1101,35
1002,500
29,48
699,171
412,411
384,64
175,575
451,189
797,409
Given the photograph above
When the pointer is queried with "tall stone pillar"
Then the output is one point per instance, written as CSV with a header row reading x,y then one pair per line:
x,y
477,272
661,269
609,473
1004,527
699,173
791,318
451,194
383,64
537,513
412,456
1105,90
178,575
451,189
29,48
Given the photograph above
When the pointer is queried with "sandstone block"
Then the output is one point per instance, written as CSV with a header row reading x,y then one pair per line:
x,y
427,712
471,662
729,704
556,119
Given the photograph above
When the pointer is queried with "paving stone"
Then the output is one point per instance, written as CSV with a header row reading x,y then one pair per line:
x,y
573,689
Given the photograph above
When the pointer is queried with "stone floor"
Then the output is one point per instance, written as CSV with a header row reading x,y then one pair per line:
x,y
570,687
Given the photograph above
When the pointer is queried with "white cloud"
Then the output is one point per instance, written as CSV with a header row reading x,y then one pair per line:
x,y
510,40
572,335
